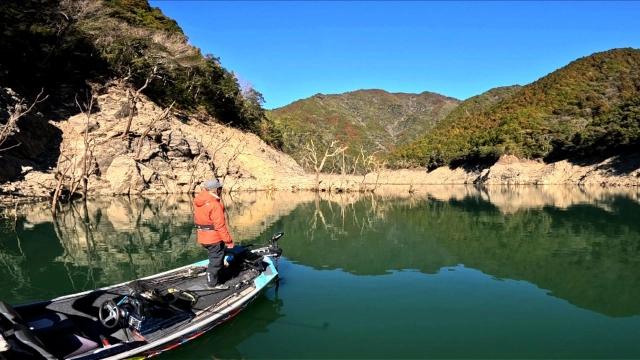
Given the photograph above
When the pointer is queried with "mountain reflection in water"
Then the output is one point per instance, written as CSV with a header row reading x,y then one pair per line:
x,y
582,245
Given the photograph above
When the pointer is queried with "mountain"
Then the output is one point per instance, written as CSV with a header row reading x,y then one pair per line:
x,y
403,156
372,120
125,105
69,51
62,46
587,108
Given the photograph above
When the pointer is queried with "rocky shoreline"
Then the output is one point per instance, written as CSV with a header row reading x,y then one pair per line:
x,y
611,173
173,155
509,170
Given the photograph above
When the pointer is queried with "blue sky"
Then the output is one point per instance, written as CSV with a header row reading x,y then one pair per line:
x,y
290,50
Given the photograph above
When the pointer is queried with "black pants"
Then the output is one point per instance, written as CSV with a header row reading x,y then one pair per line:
x,y
216,261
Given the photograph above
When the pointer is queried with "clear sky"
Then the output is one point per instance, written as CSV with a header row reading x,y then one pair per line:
x,y
290,50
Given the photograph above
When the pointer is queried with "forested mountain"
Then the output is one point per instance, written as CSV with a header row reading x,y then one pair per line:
x,y
587,108
410,154
63,46
366,121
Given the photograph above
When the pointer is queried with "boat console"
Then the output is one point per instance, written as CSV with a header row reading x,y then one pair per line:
x,y
147,308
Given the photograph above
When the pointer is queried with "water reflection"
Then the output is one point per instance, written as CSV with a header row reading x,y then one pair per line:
x,y
225,343
584,254
582,245
513,198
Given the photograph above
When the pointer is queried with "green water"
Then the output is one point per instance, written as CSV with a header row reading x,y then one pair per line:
x,y
378,277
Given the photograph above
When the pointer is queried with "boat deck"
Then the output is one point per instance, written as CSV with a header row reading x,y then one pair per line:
x,y
83,309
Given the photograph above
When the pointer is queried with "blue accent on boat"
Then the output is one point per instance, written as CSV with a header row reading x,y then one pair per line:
x,y
201,263
121,301
262,280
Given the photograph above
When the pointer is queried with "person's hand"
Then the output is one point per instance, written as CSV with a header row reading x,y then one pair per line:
x,y
229,245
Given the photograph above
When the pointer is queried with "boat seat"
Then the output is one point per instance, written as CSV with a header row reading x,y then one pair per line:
x,y
53,346
69,345
49,322
27,337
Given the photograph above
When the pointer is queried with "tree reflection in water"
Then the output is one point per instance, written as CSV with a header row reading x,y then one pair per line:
x,y
582,244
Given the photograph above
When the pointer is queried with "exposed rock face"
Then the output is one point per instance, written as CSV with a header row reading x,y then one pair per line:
x,y
123,176
174,157
509,170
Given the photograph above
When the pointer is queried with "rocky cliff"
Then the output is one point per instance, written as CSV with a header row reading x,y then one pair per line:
x,y
176,153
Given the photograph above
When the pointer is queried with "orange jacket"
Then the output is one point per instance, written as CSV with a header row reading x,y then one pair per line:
x,y
209,211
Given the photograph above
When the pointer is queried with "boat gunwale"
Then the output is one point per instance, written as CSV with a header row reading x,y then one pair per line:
x,y
69,296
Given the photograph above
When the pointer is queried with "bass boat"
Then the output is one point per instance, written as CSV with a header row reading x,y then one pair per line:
x,y
141,318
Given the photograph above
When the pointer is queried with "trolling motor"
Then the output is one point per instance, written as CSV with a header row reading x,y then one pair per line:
x,y
267,249
238,257
273,243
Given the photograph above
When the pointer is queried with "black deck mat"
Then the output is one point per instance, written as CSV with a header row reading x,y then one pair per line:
x,y
83,310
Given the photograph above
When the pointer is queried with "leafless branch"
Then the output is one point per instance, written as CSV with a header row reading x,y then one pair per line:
x,y
159,117
88,148
19,110
314,159
133,100
195,163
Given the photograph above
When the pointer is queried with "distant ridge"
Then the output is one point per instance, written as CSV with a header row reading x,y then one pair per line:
x,y
587,108
374,120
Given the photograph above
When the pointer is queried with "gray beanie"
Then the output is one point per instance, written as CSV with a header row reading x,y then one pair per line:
x,y
212,184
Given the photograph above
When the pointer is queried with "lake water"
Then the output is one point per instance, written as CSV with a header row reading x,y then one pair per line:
x,y
443,272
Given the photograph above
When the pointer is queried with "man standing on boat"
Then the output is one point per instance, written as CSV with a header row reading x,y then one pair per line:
x,y
212,230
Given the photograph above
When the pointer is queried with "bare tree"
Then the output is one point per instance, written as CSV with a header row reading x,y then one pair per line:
x,y
65,172
245,86
132,99
237,151
195,163
87,155
317,162
159,117
377,166
218,171
212,157
62,169
11,127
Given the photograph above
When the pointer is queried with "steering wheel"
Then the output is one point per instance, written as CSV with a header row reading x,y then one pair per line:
x,y
109,314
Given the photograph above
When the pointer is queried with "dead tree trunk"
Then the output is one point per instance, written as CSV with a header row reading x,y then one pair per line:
x,y
133,101
87,154
318,163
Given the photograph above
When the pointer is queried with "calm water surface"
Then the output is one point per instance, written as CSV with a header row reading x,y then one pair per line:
x,y
456,272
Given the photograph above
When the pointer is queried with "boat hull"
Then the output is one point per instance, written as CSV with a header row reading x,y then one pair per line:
x,y
205,319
